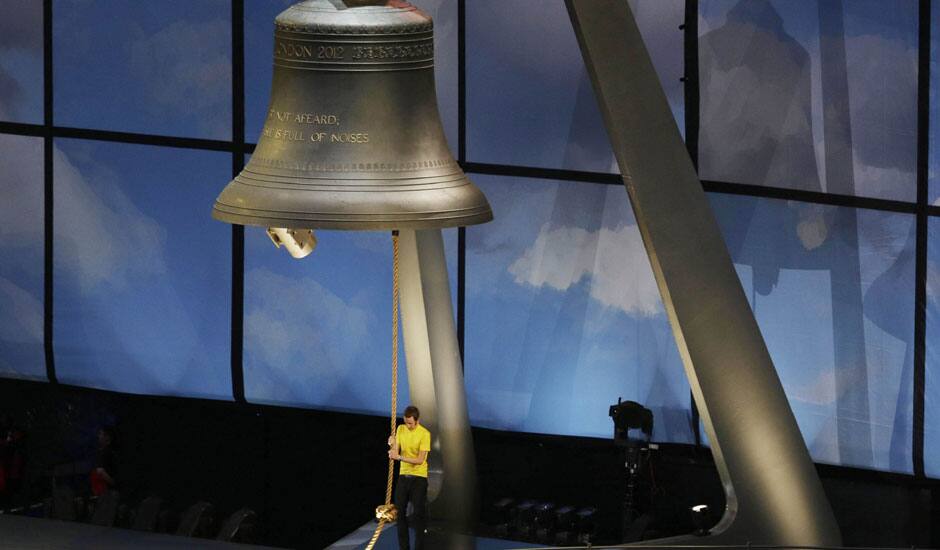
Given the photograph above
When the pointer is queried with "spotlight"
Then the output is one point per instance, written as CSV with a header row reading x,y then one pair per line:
x,y
700,519
629,415
298,242
633,427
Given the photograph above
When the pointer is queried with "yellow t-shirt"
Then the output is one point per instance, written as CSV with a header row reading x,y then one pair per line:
x,y
410,443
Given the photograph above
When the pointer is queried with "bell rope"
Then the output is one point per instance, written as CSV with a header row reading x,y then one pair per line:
x,y
387,513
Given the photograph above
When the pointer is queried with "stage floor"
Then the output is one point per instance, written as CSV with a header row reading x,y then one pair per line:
x,y
26,533
435,539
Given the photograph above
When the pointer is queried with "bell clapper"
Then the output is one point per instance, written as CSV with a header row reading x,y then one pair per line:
x,y
298,242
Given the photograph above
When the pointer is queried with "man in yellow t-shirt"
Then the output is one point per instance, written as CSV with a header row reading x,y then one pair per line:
x,y
410,445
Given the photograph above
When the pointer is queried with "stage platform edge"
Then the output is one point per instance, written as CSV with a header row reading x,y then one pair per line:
x,y
437,538
28,533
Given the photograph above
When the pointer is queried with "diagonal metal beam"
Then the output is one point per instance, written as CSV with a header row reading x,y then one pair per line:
x,y
772,491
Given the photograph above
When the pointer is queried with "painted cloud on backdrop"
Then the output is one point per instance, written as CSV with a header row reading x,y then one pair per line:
x,y
21,211
614,260
20,31
292,326
745,141
21,330
21,242
101,236
933,281
187,72
22,314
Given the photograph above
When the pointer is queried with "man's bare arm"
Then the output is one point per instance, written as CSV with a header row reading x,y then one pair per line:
x,y
419,460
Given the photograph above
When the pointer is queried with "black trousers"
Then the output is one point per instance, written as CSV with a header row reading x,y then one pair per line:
x,y
413,489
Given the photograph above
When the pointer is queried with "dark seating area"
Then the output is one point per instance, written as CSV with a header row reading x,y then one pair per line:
x,y
200,469
175,455
150,514
59,473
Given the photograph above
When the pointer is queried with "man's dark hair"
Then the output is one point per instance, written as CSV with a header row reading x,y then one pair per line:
x,y
412,412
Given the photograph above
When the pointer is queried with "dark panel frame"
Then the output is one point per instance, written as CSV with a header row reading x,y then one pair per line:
x,y
690,79
48,195
920,261
238,231
462,160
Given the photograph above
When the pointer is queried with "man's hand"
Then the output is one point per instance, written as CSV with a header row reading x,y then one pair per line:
x,y
391,441
393,454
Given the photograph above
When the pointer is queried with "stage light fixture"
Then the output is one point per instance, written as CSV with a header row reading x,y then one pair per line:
x,y
627,416
700,519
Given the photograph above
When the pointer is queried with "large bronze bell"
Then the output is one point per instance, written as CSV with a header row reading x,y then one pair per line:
x,y
353,138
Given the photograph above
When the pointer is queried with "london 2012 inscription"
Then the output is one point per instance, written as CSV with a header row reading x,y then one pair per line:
x,y
296,50
311,129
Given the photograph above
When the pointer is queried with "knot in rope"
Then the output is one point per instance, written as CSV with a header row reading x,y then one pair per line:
x,y
386,512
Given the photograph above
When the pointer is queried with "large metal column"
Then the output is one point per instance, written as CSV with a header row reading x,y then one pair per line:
x,y
435,375
773,493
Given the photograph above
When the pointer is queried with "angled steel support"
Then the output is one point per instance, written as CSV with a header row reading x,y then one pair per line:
x,y
773,493
435,376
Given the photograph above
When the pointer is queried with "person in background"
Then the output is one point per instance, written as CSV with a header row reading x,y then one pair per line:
x,y
410,445
102,476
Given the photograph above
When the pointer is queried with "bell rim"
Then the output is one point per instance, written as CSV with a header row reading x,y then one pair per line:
x,y
353,185
366,221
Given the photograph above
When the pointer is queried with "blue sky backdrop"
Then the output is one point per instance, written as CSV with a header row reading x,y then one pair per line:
x,y
147,67
21,71
21,247
933,195
833,292
531,101
564,316
318,331
932,397
765,85
142,276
